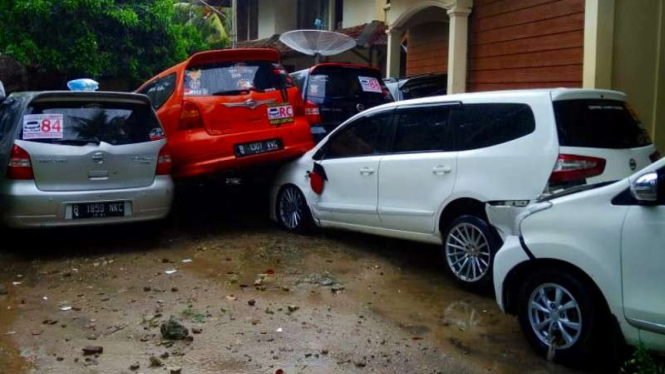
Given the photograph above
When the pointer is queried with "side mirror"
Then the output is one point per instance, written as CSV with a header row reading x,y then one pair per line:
x,y
645,188
3,95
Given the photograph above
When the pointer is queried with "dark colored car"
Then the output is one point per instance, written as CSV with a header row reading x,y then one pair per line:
x,y
334,92
417,86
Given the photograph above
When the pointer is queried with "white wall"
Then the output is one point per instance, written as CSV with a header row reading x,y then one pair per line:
x,y
276,17
358,12
266,18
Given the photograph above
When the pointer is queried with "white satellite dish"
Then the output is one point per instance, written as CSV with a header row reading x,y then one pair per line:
x,y
317,42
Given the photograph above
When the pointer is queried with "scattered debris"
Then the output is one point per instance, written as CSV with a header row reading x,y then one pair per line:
x,y
293,308
172,271
147,289
251,302
173,329
135,366
186,260
66,308
231,298
93,350
197,330
155,362
279,329
3,290
175,370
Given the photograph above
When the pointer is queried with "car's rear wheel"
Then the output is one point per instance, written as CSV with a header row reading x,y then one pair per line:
x,y
560,316
292,211
469,247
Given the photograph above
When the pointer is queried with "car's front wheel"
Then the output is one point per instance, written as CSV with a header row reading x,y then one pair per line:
x,y
468,247
560,316
292,211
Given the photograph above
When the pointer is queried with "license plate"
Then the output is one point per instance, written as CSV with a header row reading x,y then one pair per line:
x,y
255,148
98,210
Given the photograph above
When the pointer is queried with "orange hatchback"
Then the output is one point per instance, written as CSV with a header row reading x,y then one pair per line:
x,y
229,110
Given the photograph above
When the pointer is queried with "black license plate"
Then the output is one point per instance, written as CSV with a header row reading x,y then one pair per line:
x,y
98,210
255,148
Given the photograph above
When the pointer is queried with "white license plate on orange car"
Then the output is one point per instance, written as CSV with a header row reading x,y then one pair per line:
x,y
98,210
255,148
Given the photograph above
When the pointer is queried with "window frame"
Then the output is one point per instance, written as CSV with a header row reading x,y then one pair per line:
x,y
450,142
461,146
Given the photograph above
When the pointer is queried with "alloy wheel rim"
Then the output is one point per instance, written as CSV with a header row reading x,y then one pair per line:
x,y
291,208
555,316
468,252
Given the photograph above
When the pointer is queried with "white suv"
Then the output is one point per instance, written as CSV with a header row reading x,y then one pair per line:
x,y
585,266
424,169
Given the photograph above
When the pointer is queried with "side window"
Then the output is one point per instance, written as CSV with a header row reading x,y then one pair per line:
x,y
484,125
160,90
9,110
422,129
364,137
163,90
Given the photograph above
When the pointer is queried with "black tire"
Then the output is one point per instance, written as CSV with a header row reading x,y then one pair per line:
x,y
469,246
586,341
292,211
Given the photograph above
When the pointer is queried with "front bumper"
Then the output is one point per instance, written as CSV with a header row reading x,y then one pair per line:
x,y
23,205
506,259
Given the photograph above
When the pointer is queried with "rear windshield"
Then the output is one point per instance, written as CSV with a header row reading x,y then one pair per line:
x,y
340,82
83,122
232,78
598,124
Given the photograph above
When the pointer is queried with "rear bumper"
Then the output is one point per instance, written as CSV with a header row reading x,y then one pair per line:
x,y
23,205
199,153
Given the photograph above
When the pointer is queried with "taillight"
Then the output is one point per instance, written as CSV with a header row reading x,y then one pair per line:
x,y
164,163
655,156
19,167
312,113
190,117
571,168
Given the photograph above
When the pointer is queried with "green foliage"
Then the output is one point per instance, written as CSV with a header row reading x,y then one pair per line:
x,y
643,362
97,38
212,22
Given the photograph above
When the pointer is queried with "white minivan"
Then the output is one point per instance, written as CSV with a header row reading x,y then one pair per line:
x,y
423,169
585,267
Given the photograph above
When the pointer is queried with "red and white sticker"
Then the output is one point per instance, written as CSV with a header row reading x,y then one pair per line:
x,y
43,126
370,84
280,114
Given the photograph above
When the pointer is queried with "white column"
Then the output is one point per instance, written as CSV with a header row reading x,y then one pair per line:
x,y
457,48
598,43
394,51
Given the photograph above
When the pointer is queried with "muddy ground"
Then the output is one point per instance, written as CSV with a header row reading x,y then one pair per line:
x,y
259,300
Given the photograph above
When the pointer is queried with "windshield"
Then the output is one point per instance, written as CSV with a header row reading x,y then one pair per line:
x,y
228,78
599,124
83,122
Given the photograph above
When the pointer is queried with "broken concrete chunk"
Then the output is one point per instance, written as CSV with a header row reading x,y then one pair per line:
x,y
173,329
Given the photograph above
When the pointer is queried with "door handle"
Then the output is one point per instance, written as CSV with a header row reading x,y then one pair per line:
x,y
366,171
441,170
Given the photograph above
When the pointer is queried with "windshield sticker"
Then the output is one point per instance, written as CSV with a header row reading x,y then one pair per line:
x,y
280,114
156,134
43,126
370,84
193,84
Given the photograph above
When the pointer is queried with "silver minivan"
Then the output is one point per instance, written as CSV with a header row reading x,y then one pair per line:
x,y
81,158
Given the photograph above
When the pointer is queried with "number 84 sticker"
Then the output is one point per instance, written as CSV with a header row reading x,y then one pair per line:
x,y
43,126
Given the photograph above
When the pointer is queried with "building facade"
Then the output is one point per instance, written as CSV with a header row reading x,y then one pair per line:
x,y
485,45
